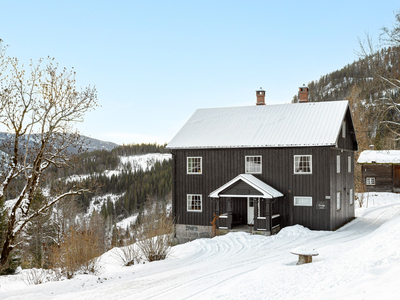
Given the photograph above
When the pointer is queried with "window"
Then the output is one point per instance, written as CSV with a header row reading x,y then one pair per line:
x,y
349,164
302,201
338,163
253,164
194,165
344,130
351,196
370,181
194,203
302,164
338,201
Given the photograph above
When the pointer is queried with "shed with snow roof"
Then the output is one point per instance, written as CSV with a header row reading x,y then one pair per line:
x,y
380,170
266,166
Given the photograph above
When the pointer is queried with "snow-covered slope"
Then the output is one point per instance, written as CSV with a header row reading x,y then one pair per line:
x,y
359,261
134,163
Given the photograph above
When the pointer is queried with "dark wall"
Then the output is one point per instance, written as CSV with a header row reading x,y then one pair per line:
x,y
222,165
341,182
383,177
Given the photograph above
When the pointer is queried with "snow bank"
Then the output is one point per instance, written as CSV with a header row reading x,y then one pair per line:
x,y
379,156
358,261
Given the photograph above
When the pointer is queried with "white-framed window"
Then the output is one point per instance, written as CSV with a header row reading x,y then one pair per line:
x,y
337,163
344,129
351,192
194,165
303,164
302,201
338,203
370,181
349,164
194,203
253,164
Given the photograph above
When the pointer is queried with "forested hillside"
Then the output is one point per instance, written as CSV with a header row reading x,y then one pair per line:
x,y
106,172
370,96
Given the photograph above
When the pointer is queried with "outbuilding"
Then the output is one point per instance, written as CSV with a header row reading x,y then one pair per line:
x,y
380,170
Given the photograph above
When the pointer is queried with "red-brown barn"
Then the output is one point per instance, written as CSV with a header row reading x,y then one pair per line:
x,y
380,170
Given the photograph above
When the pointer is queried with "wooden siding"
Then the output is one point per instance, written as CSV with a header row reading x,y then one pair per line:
x,y
341,182
383,174
222,165
241,188
349,142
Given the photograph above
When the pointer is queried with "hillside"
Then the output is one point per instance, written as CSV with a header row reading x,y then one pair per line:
x,y
121,180
91,144
371,97
358,261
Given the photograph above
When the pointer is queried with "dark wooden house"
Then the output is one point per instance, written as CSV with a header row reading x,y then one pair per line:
x,y
380,170
268,166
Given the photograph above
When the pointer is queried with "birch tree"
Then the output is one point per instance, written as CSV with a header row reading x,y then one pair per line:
x,y
39,107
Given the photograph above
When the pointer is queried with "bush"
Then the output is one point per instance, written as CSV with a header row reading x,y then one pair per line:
x,y
78,252
154,235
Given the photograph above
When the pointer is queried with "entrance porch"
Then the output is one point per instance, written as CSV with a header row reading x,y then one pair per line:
x,y
246,201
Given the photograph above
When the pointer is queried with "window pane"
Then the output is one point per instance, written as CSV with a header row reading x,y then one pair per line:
x,y
303,201
194,165
303,164
194,203
253,164
338,200
349,164
351,196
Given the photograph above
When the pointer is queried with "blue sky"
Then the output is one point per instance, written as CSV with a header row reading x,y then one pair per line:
x,y
155,62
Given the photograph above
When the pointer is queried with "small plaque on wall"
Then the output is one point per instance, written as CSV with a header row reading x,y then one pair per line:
x,y
322,204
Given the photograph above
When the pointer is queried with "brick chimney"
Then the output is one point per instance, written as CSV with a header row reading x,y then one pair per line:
x,y
303,94
260,97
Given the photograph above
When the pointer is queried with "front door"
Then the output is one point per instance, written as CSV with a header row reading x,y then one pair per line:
x,y
250,210
396,178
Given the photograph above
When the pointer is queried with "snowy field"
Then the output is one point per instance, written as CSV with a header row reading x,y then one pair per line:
x,y
359,261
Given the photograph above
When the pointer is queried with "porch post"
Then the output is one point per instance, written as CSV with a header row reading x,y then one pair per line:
x,y
268,214
229,211
217,210
255,204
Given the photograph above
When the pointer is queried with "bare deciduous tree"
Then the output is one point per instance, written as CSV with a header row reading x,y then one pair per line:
x,y
38,107
384,65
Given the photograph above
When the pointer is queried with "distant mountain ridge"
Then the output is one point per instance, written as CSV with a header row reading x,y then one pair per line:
x,y
91,143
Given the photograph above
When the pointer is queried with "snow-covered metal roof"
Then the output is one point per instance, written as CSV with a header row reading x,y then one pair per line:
x,y
283,125
379,157
267,191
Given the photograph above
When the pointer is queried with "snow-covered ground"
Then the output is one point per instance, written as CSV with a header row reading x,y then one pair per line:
x,y
359,261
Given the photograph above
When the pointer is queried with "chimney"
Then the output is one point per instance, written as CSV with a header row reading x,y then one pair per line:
x,y
303,94
260,96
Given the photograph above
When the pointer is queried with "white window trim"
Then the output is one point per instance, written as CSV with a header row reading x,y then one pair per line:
x,y
245,164
351,197
189,198
338,201
370,181
304,198
338,164
201,165
349,168
294,164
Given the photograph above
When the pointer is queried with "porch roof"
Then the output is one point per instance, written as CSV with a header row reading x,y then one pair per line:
x,y
266,190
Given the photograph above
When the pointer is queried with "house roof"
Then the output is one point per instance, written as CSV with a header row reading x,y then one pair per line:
x,y
266,190
379,157
283,125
